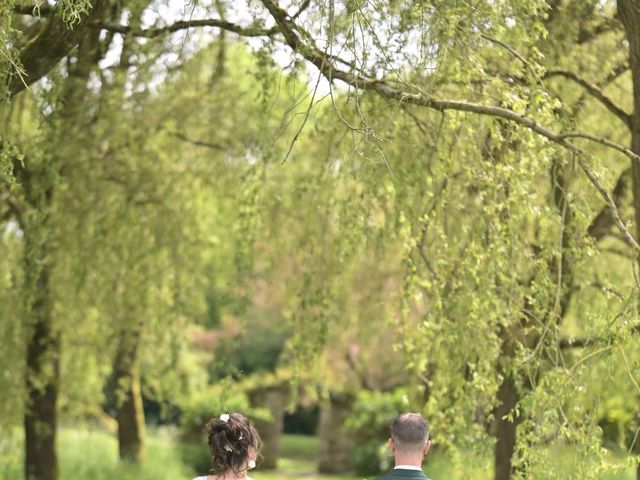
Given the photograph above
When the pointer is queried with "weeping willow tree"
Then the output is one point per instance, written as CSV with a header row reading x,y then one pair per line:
x,y
472,152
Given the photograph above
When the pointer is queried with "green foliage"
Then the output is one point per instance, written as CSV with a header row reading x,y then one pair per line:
x,y
12,332
71,11
197,409
9,59
257,350
368,423
397,248
617,420
12,39
223,397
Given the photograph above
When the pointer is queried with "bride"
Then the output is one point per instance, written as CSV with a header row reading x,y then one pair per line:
x,y
234,445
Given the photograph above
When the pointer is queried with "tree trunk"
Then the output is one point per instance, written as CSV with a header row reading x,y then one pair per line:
x,y
55,40
636,449
129,411
334,444
505,429
629,13
561,272
43,350
635,169
126,368
43,372
274,399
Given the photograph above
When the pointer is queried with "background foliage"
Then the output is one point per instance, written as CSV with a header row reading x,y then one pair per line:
x,y
351,198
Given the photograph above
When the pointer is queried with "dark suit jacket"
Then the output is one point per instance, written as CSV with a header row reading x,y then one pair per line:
x,y
402,474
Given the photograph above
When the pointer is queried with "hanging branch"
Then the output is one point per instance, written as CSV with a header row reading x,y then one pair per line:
x,y
594,91
185,24
289,30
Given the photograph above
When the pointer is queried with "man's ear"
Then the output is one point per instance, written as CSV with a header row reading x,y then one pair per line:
x,y
427,446
392,445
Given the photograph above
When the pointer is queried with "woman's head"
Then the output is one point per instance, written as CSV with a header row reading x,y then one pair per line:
x,y
234,444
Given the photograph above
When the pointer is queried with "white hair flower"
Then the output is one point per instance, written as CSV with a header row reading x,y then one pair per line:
x,y
228,448
224,417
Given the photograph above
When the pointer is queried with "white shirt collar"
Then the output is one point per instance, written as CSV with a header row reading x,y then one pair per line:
x,y
407,467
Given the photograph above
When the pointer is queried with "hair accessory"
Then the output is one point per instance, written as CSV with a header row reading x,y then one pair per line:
x,y
228,448
240,437
224,418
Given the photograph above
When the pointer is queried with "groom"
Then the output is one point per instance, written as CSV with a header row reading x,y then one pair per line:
x,y
409,443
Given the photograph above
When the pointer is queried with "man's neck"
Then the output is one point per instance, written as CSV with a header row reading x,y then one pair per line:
x,y
408,461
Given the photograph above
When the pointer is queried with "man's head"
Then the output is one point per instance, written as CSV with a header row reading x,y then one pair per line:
x,y
409,437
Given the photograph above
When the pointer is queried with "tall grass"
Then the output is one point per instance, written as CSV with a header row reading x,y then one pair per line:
x,y
86,454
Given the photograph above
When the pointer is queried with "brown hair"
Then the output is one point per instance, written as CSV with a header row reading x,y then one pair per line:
x,y
410,431
230,442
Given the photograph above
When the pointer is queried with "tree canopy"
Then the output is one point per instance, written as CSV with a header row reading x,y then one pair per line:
x,y
438,196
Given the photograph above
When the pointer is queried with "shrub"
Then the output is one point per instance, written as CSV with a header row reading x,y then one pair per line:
x,y
369,424
198,409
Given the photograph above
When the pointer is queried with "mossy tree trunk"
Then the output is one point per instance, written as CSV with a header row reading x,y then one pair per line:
x,y
43,359
561,269
505,428
39,178
129,410
334,442
275,400
629,14
126,366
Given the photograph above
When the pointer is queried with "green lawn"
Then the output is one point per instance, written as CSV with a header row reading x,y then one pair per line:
x,y
290,468
92,455
299,454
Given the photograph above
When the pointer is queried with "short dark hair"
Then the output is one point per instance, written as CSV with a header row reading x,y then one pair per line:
x,y
229,443
410,431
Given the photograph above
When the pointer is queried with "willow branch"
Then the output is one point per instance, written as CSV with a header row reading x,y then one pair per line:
x,y
509,49
302,8
608,25
595,92
199,143
603,221
289,30
323,63
185,24
33,10
602,141
14,209
51,44
567,343
46,10
593,177
616,72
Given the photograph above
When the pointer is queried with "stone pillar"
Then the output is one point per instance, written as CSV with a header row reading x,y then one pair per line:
x,y
334,442
275,400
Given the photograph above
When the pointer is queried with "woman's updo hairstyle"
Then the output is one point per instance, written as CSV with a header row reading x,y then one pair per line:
x,y
230,438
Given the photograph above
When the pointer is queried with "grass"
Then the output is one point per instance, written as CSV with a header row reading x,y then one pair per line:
x,y
300,447
92,454
296,468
